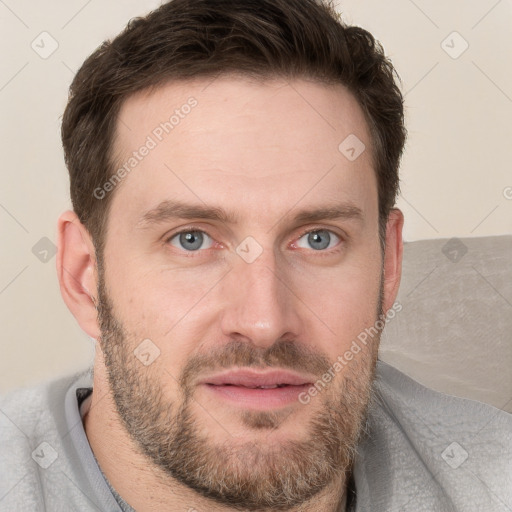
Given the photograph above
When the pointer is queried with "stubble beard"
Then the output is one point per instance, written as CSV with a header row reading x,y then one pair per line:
x,y
243,475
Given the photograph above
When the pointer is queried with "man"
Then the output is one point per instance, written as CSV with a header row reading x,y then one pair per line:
x,y
234,250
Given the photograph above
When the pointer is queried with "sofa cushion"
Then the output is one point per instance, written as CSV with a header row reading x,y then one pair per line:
x,y
454,332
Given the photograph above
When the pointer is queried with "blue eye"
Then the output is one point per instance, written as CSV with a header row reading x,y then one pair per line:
x,y
318,240
191,240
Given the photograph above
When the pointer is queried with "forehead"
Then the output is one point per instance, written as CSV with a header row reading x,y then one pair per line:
x,y
231,141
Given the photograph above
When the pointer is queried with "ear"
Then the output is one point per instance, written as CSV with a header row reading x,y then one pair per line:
x,y
393,257
77,272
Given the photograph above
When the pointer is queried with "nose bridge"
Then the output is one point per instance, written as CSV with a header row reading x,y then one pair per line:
x,y
259,306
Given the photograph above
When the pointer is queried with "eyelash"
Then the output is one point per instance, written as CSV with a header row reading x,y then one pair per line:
x,y
335,249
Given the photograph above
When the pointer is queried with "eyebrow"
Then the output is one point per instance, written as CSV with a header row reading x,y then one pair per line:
x,y
172,210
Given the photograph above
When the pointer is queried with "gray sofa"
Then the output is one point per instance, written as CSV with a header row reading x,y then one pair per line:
x,y
454,333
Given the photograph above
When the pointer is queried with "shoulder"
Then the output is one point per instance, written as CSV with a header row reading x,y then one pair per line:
x,y
33,428
426,447
408,401
31,409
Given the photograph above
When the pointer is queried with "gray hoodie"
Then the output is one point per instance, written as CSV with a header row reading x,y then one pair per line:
x,y
423,451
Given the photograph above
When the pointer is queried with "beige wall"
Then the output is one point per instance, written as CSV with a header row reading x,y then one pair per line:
x,y
455,174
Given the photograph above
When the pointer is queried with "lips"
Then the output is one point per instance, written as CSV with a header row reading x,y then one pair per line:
x,y
258,380
257,390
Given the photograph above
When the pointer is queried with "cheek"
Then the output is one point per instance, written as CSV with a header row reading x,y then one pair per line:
x,y
343,303
158,303
347,304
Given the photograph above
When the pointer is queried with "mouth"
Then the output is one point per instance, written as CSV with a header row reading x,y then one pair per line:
x,y
254,387
256,390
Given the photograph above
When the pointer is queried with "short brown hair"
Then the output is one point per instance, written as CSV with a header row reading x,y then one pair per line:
x,y
187,39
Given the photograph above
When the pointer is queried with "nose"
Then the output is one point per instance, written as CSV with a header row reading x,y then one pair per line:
x,y
260,304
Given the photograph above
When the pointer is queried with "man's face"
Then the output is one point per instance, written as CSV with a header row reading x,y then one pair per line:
x,y
280,283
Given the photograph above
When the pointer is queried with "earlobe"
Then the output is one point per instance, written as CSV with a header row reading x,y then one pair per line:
x,y
393,257
77,272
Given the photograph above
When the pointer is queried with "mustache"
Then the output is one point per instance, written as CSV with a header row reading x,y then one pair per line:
x,y
283,354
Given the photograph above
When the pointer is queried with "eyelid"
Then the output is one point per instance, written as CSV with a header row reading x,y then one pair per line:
x,y
320,228
185,229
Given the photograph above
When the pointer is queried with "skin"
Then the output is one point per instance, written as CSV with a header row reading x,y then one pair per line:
x,y
263,152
